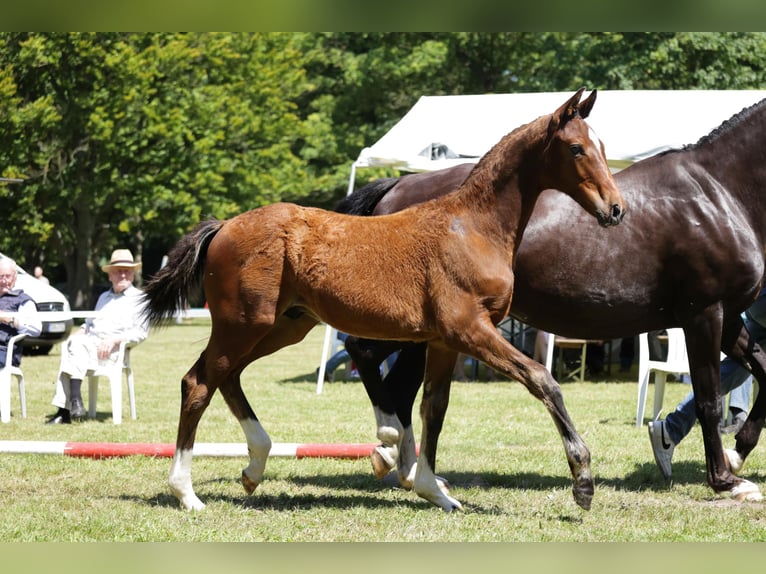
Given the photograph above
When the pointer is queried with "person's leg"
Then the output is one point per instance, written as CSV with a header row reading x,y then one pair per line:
x,y
336,361
739,398
77,353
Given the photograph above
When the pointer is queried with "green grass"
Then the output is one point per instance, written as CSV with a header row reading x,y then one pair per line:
x,y
499,450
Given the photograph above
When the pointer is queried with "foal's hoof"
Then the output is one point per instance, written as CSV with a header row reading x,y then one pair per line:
x,y
382,463
736,462
583,495
746,491
249,484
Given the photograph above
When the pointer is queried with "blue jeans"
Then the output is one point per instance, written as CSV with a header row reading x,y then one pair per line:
x,y
735,379
340,357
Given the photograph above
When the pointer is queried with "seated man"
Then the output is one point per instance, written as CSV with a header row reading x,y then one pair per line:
x,y
118,318
18,312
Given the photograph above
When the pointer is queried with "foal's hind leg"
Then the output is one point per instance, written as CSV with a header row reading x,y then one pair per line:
x,y
258,441
286,331
195,397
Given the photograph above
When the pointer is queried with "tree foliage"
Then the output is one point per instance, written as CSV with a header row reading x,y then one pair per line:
x,y
129,139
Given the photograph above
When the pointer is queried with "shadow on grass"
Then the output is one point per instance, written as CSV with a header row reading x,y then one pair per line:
x,y
366,491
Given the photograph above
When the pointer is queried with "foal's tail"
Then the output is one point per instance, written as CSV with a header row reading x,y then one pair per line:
x,y
168,291
364,199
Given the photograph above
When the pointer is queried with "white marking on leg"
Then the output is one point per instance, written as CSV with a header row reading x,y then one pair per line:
x,y
426,486
746,491
735,461
390,434
258,447
408,458
180,480
390,429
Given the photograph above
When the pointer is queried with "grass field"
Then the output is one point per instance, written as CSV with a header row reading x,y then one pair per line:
x,y
499,450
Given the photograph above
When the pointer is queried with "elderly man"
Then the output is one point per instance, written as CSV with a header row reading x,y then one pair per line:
x,y
18,312
117,318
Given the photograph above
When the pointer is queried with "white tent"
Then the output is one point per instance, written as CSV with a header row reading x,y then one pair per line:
x,y
441,131
633,124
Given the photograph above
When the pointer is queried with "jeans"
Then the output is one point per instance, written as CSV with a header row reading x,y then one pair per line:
x,y
735,379
340,357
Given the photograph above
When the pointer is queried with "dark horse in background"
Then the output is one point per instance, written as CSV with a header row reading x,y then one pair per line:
x,y
440,272
691,255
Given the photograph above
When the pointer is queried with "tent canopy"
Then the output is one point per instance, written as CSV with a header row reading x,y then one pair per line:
x,y
440,131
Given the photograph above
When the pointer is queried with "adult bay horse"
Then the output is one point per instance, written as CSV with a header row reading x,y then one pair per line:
x,y
691,255
440,272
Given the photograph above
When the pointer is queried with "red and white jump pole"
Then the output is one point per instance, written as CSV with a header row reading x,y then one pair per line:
x,y
116,449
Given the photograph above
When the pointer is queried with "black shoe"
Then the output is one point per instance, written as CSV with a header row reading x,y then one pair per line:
x,y
62,417
78,411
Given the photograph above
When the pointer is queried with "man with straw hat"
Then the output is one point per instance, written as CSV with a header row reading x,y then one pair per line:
x,y
117,318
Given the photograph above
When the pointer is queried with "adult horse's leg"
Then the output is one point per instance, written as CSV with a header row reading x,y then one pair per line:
x,y
403,382
483,341
391,399
703,342
751,356
368,356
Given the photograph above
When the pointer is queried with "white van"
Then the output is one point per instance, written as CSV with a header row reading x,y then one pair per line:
x,y
47,298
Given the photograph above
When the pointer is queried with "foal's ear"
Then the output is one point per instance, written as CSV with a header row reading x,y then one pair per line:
x,y
586,105
570,109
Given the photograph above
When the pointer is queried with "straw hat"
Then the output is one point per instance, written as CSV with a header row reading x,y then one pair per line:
x,y
120,258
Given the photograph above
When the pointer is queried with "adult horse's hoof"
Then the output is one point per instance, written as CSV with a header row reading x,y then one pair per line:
x,y
382,461
249,484
735,461
746,491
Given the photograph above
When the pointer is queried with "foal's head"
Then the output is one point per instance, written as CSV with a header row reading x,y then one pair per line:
x,y
575,162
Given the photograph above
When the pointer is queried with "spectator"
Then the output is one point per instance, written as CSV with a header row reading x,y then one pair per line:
x,y
18,312
39,275
118,318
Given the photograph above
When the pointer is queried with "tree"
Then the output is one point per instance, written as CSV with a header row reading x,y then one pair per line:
x,y
130,139
126,138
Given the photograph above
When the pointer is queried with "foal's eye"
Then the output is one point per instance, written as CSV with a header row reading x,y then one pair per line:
x,y
576,150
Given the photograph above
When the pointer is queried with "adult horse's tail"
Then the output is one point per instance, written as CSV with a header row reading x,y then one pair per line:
x,y
364,199
168,291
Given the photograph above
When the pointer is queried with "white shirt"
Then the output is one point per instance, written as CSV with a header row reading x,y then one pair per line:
x,y
119,315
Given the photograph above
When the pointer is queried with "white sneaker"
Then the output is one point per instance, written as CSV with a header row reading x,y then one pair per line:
x,y
662,446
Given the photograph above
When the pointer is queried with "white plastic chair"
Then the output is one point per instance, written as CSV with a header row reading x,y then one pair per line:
x,y
113,372
5,383
677,363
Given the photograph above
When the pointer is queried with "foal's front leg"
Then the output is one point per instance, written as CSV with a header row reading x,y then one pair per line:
x,y
433,407
491,348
